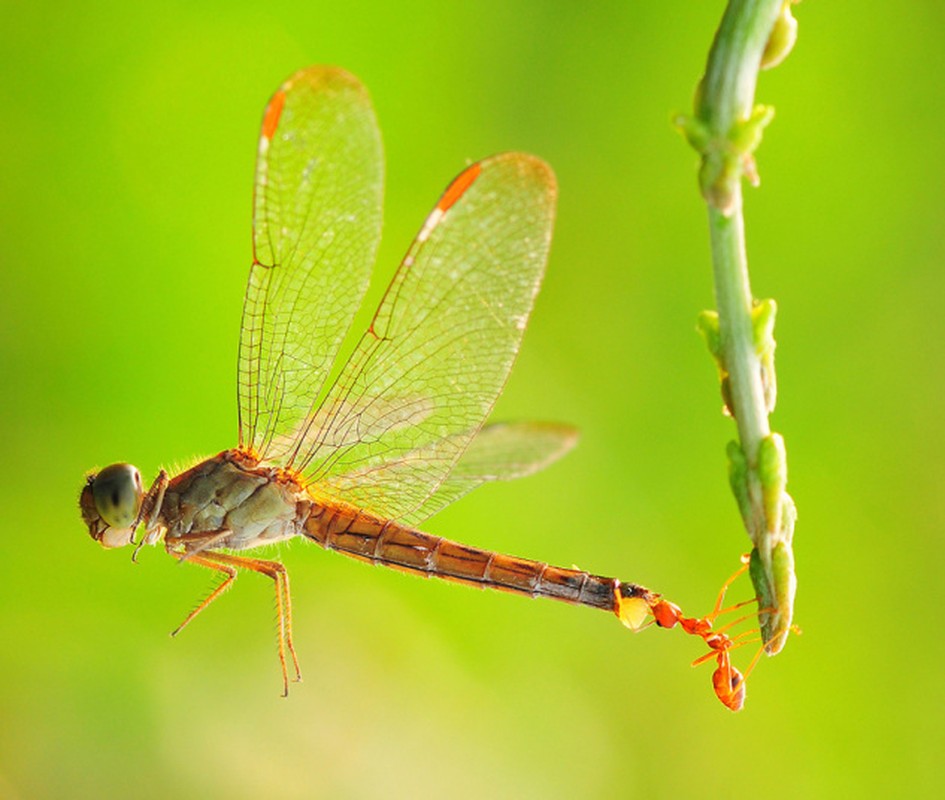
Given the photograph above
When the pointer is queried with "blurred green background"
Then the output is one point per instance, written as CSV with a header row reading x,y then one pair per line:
x,y
129,133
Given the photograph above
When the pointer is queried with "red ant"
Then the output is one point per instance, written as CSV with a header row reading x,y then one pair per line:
x,y
727,681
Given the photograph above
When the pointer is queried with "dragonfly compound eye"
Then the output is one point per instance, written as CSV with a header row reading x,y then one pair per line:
x,y
118,492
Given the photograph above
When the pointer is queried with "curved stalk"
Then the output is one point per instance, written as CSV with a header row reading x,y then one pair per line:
x,y
726,129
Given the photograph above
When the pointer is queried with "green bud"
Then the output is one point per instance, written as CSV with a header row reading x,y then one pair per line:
x,y
782,38
764,591
785,587
772,472
746,135
718,178
775,596
697,133
707,323
762,319
763,315
738,480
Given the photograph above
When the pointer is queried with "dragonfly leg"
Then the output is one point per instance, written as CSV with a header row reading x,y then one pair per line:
x,y
195,543
287,605
229,564
230,573
151,506
149,511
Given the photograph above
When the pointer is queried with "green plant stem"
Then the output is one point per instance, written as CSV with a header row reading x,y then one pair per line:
x,y
734,300
726,98
728,87
726,129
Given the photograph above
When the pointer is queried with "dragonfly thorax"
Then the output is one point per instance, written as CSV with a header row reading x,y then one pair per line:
x,y
229,495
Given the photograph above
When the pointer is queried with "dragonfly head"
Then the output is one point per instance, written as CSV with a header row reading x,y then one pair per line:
x,y
110,502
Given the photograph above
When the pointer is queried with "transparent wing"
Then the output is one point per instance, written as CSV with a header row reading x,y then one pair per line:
x,y
426,374
499,452
316,227
505,451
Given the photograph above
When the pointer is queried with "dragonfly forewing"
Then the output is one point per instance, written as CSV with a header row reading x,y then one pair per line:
x,y
441,344
316,228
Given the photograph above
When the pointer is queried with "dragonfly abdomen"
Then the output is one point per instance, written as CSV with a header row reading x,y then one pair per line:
x,y
383,542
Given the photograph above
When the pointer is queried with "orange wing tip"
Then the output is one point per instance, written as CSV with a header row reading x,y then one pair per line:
x,y
458,187
273,112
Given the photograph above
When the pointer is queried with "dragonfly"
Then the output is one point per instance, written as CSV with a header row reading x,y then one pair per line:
x,y
354,453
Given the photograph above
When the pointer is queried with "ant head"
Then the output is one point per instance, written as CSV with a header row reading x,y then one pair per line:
x,y
666,614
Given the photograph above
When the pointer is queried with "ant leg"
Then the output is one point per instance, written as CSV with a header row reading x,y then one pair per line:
x,y
734,577
734,622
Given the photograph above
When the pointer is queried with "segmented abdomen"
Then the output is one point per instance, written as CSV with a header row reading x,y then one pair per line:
x,y
383,542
